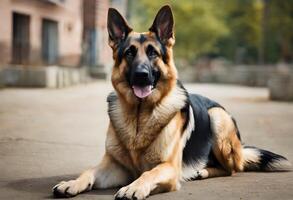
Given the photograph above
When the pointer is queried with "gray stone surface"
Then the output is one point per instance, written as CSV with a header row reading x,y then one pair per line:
x,y
234,74
44,76
281,87
50,135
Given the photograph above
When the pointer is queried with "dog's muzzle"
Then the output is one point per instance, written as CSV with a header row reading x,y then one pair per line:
x,y
143,80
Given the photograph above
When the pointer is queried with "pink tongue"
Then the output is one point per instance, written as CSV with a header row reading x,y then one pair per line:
x,y
142,92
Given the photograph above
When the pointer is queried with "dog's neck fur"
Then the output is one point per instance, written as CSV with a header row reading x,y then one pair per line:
x,y
140,126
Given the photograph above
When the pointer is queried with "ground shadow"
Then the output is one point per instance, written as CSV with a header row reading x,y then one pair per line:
x,y
42,186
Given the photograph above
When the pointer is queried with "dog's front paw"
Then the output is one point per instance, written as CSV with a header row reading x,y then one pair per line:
x,y
134,191
67,188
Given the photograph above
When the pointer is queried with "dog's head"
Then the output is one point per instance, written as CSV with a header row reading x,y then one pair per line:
x,y
144,68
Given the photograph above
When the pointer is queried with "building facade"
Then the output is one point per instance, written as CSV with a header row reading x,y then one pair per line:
x,y
42,42
40,32
97,53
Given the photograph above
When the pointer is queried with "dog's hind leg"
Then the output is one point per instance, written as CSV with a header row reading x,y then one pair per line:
x,y
107,174
227,146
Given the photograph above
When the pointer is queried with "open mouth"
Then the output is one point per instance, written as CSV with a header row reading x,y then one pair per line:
x,y
142,91
142,80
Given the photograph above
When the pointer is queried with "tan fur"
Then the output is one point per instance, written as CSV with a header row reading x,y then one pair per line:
x,y
168,72
148,145
159,163
145,137
226,147
213,172
151,142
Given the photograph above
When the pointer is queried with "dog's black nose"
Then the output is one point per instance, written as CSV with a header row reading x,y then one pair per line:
x,y
142,72
141,76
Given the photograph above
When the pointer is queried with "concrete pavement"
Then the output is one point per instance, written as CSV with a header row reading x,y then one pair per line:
x,y
50,135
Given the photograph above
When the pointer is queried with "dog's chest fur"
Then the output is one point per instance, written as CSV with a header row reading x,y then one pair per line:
x,y
147,134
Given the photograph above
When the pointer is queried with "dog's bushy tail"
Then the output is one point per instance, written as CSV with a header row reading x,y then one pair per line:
x,y
256,159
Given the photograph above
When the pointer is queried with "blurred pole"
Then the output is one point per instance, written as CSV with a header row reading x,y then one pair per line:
x,y
89,33
264,30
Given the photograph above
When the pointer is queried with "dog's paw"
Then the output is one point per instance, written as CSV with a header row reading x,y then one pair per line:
x,y
68,188
134,191
201,174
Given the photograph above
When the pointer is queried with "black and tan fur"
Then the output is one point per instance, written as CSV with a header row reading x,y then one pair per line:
x,y
155,142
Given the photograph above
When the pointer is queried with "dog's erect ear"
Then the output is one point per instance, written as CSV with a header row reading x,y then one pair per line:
x,y
118,28
163,24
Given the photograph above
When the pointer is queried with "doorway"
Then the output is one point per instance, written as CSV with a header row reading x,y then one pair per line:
x,y
20,38
50,41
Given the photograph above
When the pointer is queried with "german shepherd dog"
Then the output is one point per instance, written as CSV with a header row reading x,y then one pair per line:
x,y
159,134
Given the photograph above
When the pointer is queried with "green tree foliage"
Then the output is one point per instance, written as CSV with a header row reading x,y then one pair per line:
x,y
243,18
198,23
279,40
245,31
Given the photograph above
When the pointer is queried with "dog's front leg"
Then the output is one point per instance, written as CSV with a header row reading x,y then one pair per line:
x,y
107,174
161,178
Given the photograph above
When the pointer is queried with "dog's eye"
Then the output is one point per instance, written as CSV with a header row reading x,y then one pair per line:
x,y
131,52
151,52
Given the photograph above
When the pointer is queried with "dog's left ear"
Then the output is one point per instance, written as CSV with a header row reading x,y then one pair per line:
x,y
163,24
118,28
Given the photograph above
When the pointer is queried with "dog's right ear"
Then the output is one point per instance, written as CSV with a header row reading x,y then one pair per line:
x,y
163,25
118,28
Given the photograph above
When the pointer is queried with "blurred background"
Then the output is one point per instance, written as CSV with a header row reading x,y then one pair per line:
x,y
239,31
55,65
230,41
56,43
